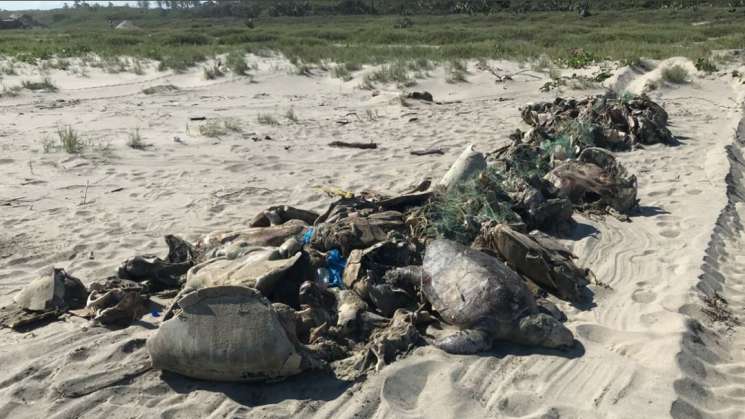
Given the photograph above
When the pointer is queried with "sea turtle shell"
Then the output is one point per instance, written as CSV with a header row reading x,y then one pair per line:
x,y
472,289
226,333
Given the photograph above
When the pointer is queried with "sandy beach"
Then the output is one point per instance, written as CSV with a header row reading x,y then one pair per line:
x,y
650,346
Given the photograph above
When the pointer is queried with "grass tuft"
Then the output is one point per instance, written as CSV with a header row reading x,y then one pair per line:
x,y
706,65
10,91
675,74
159,89
291,115
45,84
236,62
220,127
266,119
372,115
135,140
457,71
70,140
344,71
212,72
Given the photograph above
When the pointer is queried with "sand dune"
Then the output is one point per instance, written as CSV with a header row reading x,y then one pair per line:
x,y
650,345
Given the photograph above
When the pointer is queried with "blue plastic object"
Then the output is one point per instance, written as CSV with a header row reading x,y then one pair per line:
x,y
155,313
308,236
335,263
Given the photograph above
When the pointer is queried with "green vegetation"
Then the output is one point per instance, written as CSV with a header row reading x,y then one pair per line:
x,y
344,70
372,115
457,71
212,72
216,128
292,116
236,62
675,74
137,67
705,65
397,72
179,40
44,84
160,89
69,141
266,119
10,91
9,69
135,140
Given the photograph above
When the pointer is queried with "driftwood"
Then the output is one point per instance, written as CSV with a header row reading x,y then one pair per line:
x,y
427,152
342,144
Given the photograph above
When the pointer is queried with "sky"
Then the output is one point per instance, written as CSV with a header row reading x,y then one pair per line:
x,y
28,5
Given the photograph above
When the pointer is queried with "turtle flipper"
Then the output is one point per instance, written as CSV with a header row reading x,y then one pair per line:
x,y
465,342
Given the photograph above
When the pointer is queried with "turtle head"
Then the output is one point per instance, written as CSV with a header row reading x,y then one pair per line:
x,y
543,330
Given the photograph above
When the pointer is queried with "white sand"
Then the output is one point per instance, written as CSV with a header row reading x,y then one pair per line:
x,y
89,213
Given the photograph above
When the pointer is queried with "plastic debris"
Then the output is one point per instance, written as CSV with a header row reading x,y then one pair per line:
x,y
335,264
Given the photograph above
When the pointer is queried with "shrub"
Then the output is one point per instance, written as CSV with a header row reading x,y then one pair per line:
x,y
213,72
265,119
705,65
44,84
236,62
457,71
675,74
580,58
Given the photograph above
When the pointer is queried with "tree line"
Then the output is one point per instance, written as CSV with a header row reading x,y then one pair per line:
x,y
255,8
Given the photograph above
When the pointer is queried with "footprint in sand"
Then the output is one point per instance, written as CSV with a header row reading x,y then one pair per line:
x,y
670,234
643,296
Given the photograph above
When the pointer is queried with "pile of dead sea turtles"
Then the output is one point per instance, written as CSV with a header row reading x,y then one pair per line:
x,y
459,264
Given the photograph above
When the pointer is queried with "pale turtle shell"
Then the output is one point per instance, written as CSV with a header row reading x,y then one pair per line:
x,y
225,333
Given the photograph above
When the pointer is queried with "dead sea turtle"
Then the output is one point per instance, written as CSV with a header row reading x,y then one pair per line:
x,y
228,333
596,178
271,236
44,299
542,261
277,279
58,291
486,300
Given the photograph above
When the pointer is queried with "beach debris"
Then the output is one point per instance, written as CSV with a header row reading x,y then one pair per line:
x,y
539,259
397,339
427,152
278,215
277,279
423,96
602,121
460,264
468,165
116,303
377,274
358,230
596,180
485,300
56,292
44,299
343,144
255,342
161,273
218,242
